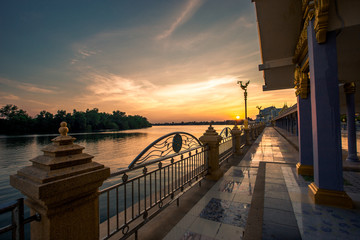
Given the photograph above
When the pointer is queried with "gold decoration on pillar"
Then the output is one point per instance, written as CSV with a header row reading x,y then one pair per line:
x,y
302,46
307,7
321,19
301,82
297,80
350,87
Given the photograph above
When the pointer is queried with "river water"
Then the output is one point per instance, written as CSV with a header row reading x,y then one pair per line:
x,y
113,149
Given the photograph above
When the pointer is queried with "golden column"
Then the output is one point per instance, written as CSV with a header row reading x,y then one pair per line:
x,y
244,87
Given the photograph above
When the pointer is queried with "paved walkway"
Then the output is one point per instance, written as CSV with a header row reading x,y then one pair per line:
x,y
231,210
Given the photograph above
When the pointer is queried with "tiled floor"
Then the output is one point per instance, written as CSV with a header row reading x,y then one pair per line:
x,y
288,211
222,212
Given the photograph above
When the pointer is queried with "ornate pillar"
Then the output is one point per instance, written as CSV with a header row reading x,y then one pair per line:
x,y
62,185
305,164
327,187
212,139
349,89
236,140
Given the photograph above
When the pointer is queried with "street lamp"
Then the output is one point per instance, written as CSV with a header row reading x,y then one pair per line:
x,y
244,87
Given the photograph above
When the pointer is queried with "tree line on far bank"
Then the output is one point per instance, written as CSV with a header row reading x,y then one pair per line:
x,y
16,121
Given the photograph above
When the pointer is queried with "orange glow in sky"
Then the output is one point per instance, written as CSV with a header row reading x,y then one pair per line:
x,y
167,62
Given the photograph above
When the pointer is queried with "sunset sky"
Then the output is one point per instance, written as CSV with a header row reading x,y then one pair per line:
x,y
166,60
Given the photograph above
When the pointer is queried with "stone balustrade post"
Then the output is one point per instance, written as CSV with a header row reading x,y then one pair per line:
x,y
212,139
253,132
62,185
247,136
236,140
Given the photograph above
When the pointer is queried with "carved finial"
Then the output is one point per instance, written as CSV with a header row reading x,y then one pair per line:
x,y
63,130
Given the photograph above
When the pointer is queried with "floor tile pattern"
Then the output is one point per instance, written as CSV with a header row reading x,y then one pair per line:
x,y
289,212
195,236
222,213
323,222
353,181
233,213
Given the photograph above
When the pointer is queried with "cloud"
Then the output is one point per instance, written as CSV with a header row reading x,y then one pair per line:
x,y
188,11
32,88
140,93
193,74
8,96
38,102
86,53
243,22
27,86
82,53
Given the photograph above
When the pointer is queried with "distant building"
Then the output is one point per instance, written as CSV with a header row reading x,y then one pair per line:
x,y
267,114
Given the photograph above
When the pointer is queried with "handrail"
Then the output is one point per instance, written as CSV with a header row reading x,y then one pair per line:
x,y
165,148
226,132
124,170
18,220
158,176
226,145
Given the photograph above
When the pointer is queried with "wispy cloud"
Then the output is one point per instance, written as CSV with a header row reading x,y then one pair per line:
x,y
27,86
187,12
83,53
143,94
32,88
8,96
86,53
244,22
38,102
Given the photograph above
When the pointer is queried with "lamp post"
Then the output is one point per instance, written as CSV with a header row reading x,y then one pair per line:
x,y
244,87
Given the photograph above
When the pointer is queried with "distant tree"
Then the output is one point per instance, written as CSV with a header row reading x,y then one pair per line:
x,y
44,122
60,116
16,121
79,123
92,118
8,111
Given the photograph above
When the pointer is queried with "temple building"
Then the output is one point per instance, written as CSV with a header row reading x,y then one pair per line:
x,y
313,46
267,114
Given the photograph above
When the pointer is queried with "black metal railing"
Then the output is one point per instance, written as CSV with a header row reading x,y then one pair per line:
x,y
226,145
161,173
16,208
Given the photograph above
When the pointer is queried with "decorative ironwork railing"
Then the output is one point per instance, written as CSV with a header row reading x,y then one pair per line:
x,y
157,177
16,208
226,145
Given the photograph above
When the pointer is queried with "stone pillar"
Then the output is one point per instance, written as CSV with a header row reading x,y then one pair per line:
x,y
212,139
305,164
236,140
349,89
62,185
327,187
247,136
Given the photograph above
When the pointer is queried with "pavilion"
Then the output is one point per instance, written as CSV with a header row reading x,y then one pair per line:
x,y
313,46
